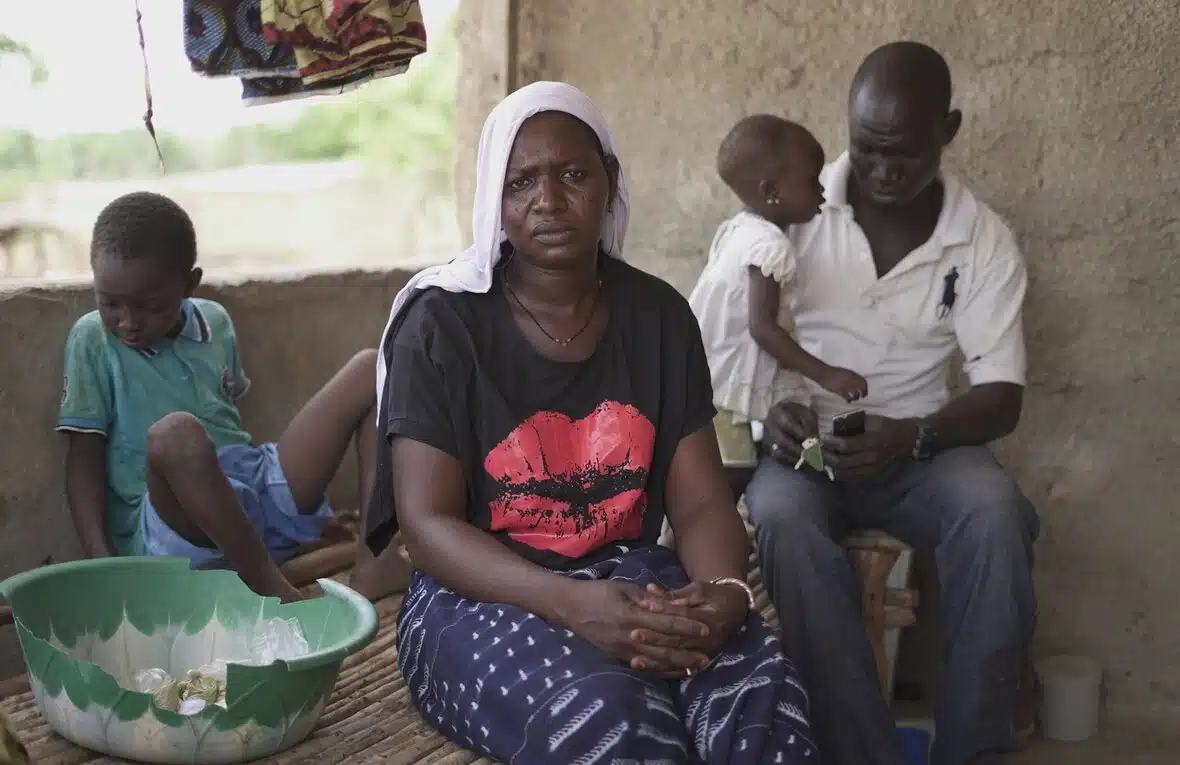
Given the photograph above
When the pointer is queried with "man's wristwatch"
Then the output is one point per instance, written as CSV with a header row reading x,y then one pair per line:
x,y
925,444
730,581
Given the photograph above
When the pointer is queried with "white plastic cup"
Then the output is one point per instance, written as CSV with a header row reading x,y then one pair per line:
x,y
1072,697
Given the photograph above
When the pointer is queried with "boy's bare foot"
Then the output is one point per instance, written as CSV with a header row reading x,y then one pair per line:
x,y
290,595
385,574
272,584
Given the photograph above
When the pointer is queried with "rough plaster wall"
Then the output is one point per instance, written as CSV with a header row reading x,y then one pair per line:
x,y
1071,131
293,335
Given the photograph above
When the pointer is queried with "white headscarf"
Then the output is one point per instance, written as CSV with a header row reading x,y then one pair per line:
x,y
472,270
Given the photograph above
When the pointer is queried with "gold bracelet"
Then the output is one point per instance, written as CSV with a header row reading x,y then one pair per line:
x,y
732,582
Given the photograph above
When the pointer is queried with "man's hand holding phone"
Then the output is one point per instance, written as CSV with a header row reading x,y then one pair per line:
x,y
861,444
854,453
849,425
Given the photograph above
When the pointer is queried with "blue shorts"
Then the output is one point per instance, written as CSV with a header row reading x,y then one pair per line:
x,y
257,478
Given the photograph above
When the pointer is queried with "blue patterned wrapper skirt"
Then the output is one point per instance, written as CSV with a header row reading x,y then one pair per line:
x,y
514,687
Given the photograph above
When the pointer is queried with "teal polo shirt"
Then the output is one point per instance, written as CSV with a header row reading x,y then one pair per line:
x,y
119,392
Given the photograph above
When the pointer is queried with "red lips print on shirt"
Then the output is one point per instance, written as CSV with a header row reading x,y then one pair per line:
x,y
571,487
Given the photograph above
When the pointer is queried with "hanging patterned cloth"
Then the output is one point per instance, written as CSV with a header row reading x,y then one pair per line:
x,y
333,40
224,38
286,49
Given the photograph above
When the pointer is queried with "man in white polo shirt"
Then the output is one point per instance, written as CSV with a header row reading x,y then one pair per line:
x,y
903,270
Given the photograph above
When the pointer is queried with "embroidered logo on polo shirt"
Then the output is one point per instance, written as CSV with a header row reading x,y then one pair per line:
x,y
65,388
948,293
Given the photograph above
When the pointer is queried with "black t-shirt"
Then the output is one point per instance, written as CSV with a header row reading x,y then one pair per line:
x,y
565,462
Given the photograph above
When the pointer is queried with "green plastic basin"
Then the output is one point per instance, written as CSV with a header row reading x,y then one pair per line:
x,y
83,624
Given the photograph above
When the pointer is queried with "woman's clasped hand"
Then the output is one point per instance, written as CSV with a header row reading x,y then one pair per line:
x,y
668,633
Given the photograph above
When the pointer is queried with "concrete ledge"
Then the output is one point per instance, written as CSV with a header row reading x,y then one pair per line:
x,y
295,330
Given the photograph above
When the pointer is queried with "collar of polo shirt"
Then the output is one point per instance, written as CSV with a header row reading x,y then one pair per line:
x,y
891,329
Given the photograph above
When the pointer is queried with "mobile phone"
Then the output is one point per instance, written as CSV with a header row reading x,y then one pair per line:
x,y
849,424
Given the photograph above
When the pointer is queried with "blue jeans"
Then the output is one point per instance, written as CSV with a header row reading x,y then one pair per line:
x,y
962,507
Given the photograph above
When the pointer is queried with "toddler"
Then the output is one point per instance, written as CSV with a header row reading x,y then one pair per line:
x,y
743,297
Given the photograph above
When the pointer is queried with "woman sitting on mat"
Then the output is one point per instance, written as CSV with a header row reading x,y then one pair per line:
x,y
546,405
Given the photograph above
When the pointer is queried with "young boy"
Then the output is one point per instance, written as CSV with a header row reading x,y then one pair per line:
x,y
158,462
743,297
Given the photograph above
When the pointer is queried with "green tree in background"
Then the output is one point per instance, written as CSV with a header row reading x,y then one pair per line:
x,y
15,49
18,149
403,125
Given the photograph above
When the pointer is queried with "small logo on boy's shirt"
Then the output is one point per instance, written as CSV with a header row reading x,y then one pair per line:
x,y
229,386
65,388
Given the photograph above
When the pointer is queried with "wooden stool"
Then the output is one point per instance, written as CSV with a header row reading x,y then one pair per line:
x,y
887,603
886,606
